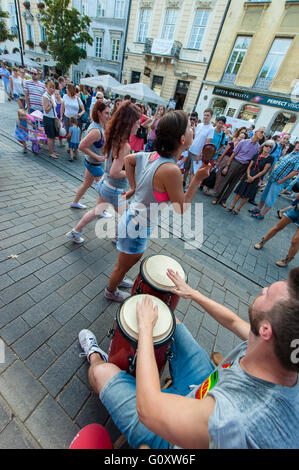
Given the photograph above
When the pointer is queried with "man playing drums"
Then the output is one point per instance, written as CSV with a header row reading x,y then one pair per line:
x,y
251,400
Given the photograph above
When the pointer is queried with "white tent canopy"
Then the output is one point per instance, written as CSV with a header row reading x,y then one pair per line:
x,y
141,92
106,81
16,58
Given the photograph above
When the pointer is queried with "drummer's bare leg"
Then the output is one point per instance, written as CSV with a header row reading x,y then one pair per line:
x,y
124,263
100,372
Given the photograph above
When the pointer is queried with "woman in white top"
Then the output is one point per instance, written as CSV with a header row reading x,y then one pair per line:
x,y
71,106
16,87
49,105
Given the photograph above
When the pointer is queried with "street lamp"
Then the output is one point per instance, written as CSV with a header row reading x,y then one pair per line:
x,y
19,26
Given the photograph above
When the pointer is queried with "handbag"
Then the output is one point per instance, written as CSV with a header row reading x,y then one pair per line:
x,y
141,133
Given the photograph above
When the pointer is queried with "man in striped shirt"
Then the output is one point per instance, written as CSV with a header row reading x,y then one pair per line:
x,y
284,171
34,91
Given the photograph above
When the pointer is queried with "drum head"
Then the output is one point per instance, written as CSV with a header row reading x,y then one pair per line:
x,y
128,318
154,271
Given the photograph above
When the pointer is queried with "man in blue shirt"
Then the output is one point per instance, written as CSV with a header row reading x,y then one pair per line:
x,y
283,172
4,74
278,148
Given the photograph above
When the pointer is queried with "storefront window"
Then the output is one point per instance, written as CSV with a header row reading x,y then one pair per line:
x,y
283,122
219,107
249,112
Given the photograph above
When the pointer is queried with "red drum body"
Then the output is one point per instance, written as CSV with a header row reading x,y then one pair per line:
x,y
153,279
123,346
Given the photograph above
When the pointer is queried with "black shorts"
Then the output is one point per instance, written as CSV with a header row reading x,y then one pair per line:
x,y
49,126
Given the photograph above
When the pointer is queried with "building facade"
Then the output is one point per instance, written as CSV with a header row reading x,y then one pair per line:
x,y
11,24
254,71
109,20
169,46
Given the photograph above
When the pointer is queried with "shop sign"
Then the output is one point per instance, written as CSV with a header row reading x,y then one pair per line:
x,y
258,99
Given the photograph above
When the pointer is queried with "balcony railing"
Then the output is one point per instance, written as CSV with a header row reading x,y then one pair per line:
x,y
175,50
228,78
14,30
263,83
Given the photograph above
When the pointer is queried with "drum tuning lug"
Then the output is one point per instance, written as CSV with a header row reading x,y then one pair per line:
x,y
110,332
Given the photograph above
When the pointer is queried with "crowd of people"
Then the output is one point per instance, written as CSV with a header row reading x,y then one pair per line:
x,y
139,160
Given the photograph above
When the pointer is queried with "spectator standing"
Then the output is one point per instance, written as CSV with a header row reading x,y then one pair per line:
x,y
71,106
251,131
280,145
49,111
16,87
237,166
137,141
74,138
283,172
34,91
5,74
154,124
21,129
203,135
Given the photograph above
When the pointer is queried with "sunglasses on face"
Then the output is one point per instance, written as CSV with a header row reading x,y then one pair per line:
x,y
268,146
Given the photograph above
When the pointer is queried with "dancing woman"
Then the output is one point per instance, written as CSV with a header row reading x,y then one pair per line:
x,y
154,178
92,146
125,121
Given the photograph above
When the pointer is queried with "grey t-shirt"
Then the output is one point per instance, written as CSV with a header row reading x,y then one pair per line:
x,y
249,413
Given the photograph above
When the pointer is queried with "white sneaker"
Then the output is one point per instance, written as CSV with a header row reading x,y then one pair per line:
x,y
88,343
77,205
75,237
126,283
117,295
105,215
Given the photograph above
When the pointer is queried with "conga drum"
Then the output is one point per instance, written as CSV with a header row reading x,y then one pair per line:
x,y
124,343
153,279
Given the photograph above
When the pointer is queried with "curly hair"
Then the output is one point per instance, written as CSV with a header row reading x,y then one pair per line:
x,y
118,129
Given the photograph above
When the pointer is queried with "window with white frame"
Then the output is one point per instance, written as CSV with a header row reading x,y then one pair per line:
x,y
169,24
98,46
275,57
120,6
84,7
101,5
143,25
238,54
29,32
198,29
115,49
12,14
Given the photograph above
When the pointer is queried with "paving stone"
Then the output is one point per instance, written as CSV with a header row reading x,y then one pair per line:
x,y
50,270
14,330
26,269
47,287
15,436
5,281
96,286
50,426
41,360
15,309
5,415
93,412
72,306
73,397
206,340
20,390
38,335
66,335
18,288
59,374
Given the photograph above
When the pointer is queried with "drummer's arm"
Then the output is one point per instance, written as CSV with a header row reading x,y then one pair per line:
x,y
179,420
221,314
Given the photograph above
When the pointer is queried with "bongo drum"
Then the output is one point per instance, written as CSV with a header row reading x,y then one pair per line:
x,y
153,279
124,343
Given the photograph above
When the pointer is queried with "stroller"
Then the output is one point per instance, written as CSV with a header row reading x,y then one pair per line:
x,y
36,135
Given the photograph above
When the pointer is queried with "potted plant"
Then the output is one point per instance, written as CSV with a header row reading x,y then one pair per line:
x,y
30,44
43,45
27,5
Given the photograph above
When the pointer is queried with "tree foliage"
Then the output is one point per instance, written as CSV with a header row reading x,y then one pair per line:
x,y
66,32
4,32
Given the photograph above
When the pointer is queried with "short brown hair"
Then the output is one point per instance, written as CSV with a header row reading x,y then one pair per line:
x,y
209,110
284,320
170,129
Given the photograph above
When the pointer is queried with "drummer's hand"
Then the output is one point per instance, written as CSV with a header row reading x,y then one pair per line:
x,y
147,314
182,288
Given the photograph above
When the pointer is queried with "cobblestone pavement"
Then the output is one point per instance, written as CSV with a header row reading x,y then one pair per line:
x,y
53,289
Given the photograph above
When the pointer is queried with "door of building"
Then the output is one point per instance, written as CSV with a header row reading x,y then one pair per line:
x,y
181,93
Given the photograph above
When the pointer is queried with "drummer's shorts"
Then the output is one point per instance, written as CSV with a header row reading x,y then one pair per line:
x,y
189,365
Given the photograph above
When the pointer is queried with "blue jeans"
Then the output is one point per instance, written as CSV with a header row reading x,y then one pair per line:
x,y
189,365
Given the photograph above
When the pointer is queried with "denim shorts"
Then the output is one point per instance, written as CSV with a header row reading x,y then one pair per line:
x,y
293,215
113,196
73,146
271,193
189,365
95,170
132,236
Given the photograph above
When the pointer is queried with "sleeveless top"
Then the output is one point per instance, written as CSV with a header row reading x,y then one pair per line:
x,y
96,147
52,112
144,202
120,183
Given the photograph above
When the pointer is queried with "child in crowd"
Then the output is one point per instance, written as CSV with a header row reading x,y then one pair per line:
x,y
21,130
74,138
